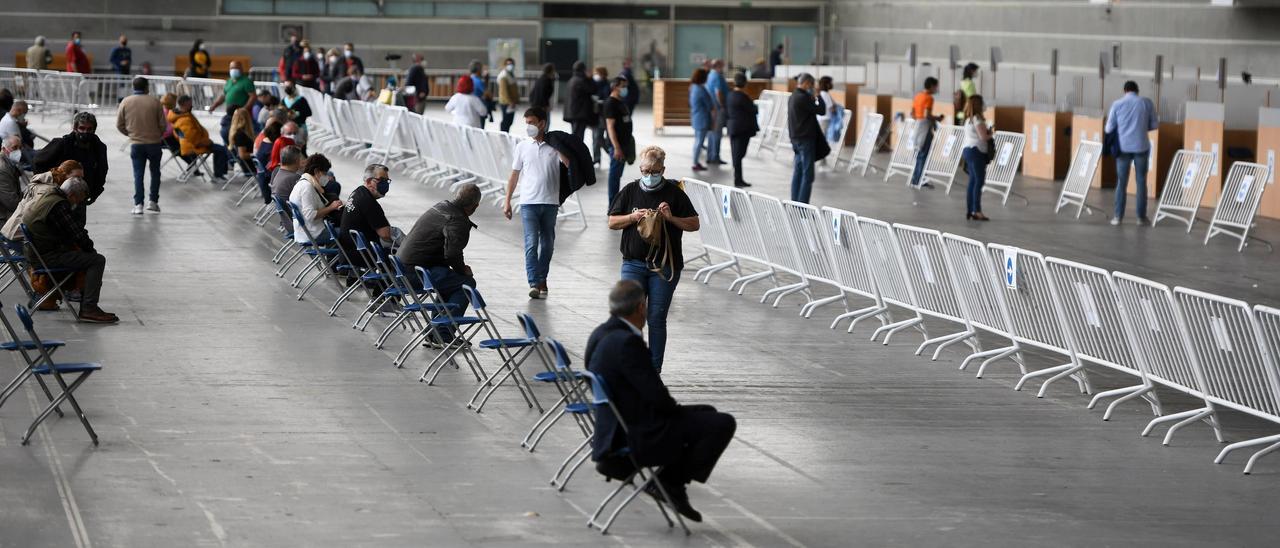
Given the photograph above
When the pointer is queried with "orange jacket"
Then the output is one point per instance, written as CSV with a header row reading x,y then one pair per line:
x,y
195,139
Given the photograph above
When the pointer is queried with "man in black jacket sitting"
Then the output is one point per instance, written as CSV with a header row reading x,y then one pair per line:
x,y
807,140
436,243
685,440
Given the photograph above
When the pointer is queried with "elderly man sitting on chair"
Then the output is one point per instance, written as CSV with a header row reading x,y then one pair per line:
x,y
63,243
436,242
686,441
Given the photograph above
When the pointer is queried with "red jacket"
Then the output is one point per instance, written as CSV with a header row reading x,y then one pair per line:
x,y
77,61
277,146
305,72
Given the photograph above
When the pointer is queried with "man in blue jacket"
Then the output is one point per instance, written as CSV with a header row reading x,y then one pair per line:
x,y
1130,118
686,441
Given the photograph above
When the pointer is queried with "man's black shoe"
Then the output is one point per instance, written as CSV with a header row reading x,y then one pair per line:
x,y
615,468
679,502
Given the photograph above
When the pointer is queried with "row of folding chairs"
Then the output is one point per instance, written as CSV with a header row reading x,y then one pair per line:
x,y
434,152
37,363
1183,193
1211,348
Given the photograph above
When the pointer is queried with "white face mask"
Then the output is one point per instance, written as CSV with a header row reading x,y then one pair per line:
x,y
651,182
323,179
287,135
511,68
346,53
15,156
203,47
333,58
235,73
306,55
531,130
598,78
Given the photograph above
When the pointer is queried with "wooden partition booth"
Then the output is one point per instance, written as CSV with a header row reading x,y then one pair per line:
x,y
1205,131
1048,149
1267,152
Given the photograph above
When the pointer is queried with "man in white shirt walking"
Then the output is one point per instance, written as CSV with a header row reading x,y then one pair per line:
x,y
536,170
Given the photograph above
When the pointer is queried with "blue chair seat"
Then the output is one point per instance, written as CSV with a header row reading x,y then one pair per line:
x,y
44,369
460,320
578,408
13,259
372,276
430,307
547,376
311,250
510,343
31,345
55,270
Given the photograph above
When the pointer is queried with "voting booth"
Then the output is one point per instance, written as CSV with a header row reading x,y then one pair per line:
x,y
1268,149
1047,151
1205,131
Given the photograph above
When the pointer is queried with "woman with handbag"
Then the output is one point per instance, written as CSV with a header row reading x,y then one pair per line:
x,y
977,154
653,213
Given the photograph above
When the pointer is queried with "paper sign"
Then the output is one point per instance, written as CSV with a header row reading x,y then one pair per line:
x,y
835,229
1048,139
725,208
1199,147
1097,137
1150,311
922,255
1271,166
1085,158
1035,140
1220,336
1088,306
951,142
1214,149
1189,176
1151,152
1006,153
1243,193
1011,268
911,137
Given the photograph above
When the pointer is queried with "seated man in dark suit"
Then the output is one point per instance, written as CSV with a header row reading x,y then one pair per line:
x,y
685,440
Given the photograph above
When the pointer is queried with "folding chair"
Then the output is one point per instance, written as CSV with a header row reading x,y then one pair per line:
x,y
391,294
464,329
22,346
513,352
418,305
567,382
38,266
363,275
197,164
646,475
322,256
249,186
48,367
576,404
15,265
286,221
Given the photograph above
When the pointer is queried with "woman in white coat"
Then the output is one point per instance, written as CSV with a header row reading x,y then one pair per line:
x,y
466,108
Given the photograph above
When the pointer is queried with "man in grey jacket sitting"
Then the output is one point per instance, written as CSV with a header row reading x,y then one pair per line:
x,y
436,243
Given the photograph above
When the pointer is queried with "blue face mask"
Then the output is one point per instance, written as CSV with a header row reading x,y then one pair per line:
x,y
623,93
384,185
651,182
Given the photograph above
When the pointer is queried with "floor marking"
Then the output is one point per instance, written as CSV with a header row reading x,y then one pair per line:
x,y
218,532
394,431
777,459
759,520
69,506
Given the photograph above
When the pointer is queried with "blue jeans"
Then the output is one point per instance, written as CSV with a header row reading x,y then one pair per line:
x,y
922,156
448,284
659,291
141,154
699,142
802,170
713,140
508,117
615,174
1139,160
977,162
539,240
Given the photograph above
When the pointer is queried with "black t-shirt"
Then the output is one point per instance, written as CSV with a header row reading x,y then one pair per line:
x,y
616,110
363,213
633,197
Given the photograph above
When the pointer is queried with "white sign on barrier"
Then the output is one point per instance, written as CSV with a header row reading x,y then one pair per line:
x,y
1011,268
1271,165
922,255
835,229
1243,193
951,143
1189,176
911,138
1150,311
726,208
1214,162
1048,139
1087,305
1151,152
1220,336
1006,152
1035,139
1084,165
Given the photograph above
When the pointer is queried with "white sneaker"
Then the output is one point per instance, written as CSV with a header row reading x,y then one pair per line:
x,y
1115,221
152,206
137,209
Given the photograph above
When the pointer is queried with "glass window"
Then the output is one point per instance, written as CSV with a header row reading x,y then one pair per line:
x,y
513,11
352,7
460,9
246,6
410,8
300,7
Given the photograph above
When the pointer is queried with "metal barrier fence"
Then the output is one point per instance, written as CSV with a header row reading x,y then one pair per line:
x,y
1002,171
903,160
1084,164
944,156
866,144
1238,202
1184,187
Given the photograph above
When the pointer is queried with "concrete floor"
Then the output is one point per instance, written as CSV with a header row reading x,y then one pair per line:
x,y
233,415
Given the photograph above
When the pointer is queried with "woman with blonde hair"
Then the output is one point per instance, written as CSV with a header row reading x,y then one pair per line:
x,y
40,185
661,205
976,148
242,136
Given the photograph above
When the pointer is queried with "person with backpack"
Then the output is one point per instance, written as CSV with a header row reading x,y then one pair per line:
x,y
653,213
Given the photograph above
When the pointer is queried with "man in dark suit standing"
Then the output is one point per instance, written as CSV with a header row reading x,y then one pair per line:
x,y
807,140
742,125
685,440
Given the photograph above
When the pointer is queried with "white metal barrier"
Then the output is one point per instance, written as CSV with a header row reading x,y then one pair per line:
x,y
774,131
944,156
1036,314
837,148
981,297
740,225
812,248
779,245
1184,187
1002,171
1080,177
929,281
885,265
868,136
1238,202
849,260
711,229
903,160
1100,331
1162,339
1240,372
